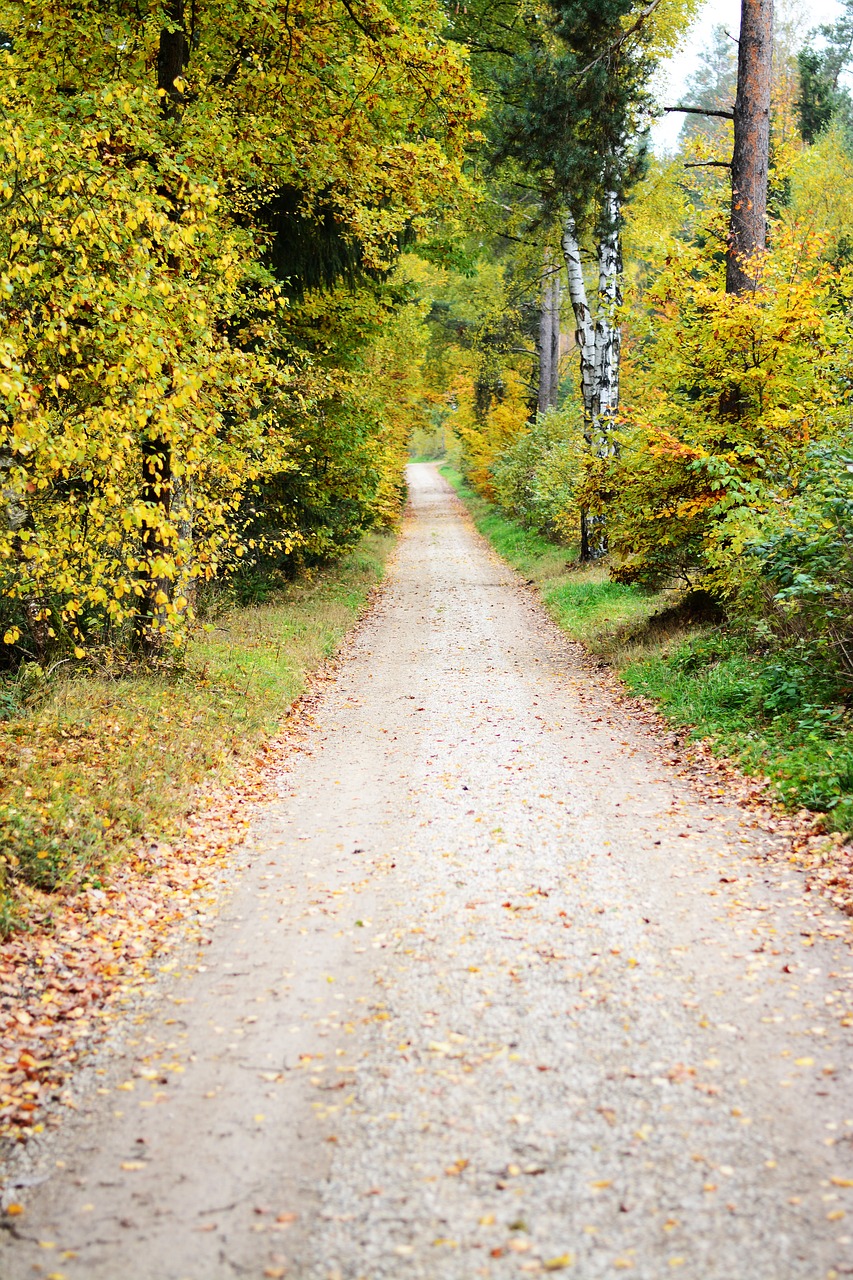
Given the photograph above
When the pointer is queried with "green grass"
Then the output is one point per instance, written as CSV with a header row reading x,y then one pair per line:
x,y
587,605
774,717
92,761
776,714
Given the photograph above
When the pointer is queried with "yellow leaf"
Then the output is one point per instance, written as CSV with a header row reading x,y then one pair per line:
x,y
560,1263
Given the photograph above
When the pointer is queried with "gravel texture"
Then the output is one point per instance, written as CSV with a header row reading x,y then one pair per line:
x,y
496,994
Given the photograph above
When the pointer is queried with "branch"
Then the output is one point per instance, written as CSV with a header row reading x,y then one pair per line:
x,y
706,164
620,40
703,111
371,34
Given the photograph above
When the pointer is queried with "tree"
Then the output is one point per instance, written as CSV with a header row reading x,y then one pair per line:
x,y
751,154
574,112
549,334
712,87
822,95
148,387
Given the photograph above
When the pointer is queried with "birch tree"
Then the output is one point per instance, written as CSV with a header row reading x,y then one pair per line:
x,y
576,106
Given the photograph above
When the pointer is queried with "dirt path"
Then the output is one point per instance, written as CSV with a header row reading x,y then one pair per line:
x,y
497,995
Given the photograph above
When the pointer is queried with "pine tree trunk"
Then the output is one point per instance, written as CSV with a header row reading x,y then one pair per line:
x,y
751,154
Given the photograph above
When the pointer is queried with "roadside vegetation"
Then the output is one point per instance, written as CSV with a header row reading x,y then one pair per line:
x,y
96,758
248,261
775,714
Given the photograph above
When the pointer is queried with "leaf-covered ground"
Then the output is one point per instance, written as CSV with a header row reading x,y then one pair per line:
x,y
145,760
507,985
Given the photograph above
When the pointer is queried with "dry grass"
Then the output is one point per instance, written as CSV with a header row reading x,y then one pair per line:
x,y
91,762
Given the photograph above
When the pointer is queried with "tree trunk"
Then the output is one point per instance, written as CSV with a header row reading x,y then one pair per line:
x,y
608,333
750,158
599,345
545,327
172,57
556,298
584,327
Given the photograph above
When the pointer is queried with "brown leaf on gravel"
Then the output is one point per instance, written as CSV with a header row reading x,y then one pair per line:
x,y
65,977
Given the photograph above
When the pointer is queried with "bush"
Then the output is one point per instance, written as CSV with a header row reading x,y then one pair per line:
x,y
537,478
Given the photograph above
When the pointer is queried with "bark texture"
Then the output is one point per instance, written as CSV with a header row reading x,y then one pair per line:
x,y
549,335
599,345
748,228
608,333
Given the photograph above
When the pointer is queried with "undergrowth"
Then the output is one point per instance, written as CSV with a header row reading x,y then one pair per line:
x,y
583,600
771,709
92,761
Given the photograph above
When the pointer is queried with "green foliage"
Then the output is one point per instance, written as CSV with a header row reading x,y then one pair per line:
x,y
537,478
819,100
775,718
725,395
805,555
155,389
573,101
822,96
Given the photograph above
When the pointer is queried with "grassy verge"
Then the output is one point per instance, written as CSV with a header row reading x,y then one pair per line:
x,y
89,763
603,615
769,713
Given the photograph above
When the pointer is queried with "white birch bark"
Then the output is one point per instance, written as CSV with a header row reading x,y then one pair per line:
x,y
608,334
599,344
584,327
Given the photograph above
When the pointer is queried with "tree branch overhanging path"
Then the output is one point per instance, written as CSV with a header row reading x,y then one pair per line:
x,y
495,988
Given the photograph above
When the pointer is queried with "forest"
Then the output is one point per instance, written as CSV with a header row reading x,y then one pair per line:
x,y
253,257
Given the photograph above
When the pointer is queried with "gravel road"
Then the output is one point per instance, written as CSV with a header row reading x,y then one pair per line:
x,y
496,994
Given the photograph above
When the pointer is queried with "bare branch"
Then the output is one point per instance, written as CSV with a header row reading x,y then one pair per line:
x,y
703,111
